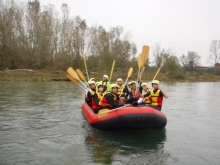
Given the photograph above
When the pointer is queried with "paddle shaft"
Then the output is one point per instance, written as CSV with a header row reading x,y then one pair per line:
x,y
157,73
84,59
129,74
75,81
109,110
72,72
78,71
113,65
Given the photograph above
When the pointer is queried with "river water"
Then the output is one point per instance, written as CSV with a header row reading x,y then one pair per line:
x,y
42,123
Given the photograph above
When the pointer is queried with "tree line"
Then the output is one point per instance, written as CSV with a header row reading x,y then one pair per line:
x,y
38,37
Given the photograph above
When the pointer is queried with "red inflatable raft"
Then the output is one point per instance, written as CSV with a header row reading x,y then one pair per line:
x,y
126,118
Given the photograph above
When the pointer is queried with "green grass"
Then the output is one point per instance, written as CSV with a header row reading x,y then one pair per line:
x,y
57,75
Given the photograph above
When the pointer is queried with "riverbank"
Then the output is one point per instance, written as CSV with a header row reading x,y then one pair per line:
x,y
28,75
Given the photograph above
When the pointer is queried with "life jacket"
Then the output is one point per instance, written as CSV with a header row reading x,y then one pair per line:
x,y
94,105
104,103
99,96
135,92
106,85
92,100
147,98
120,90
155,98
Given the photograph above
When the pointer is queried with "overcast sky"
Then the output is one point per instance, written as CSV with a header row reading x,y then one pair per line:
x,y
183,25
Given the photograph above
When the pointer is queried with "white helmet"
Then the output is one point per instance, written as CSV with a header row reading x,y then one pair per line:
x,y
119,79
98,84
113,86
133,82
91,82
106,76
92,79
129,83
144,84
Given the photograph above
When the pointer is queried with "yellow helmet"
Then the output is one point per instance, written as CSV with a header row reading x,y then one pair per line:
x,y
144,84
155,82
113,86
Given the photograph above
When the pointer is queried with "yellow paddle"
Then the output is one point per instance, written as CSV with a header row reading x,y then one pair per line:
x,y
78,71
84,59
113,65
140,63
142,70
143,57
74,81
145,53
73,73
129,74
157,73
105,111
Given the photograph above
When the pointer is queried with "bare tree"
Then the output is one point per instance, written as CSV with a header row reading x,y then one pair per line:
x,y
194,58
79,41
191,60
37,37
11,34
160,55
214,52
184,61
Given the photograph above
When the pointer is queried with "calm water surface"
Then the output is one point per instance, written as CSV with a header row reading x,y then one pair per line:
x,y
41,123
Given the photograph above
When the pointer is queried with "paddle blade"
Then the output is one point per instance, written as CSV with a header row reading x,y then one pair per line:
x,y
140,61
130,72
73,73
103,112
84,58
72,79
78,71
145,54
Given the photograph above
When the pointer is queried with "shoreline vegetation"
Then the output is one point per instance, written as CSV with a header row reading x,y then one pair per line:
x,y
29,75
40,38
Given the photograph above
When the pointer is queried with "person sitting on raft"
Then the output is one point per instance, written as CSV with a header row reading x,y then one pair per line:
x,y
143,100
111,100
121,87
134,94
105,82
97,97
127,90
156,95
89,96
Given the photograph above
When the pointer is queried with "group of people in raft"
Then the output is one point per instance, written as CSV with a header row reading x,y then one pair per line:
x,y
104,95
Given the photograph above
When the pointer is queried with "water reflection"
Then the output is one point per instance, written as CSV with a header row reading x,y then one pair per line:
x,y
41,123
126,147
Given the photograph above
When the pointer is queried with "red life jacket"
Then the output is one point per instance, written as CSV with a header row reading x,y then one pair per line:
x,y
104,103
94,105
135,92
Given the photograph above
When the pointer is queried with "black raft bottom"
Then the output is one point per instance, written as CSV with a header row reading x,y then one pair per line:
x,y
132,122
